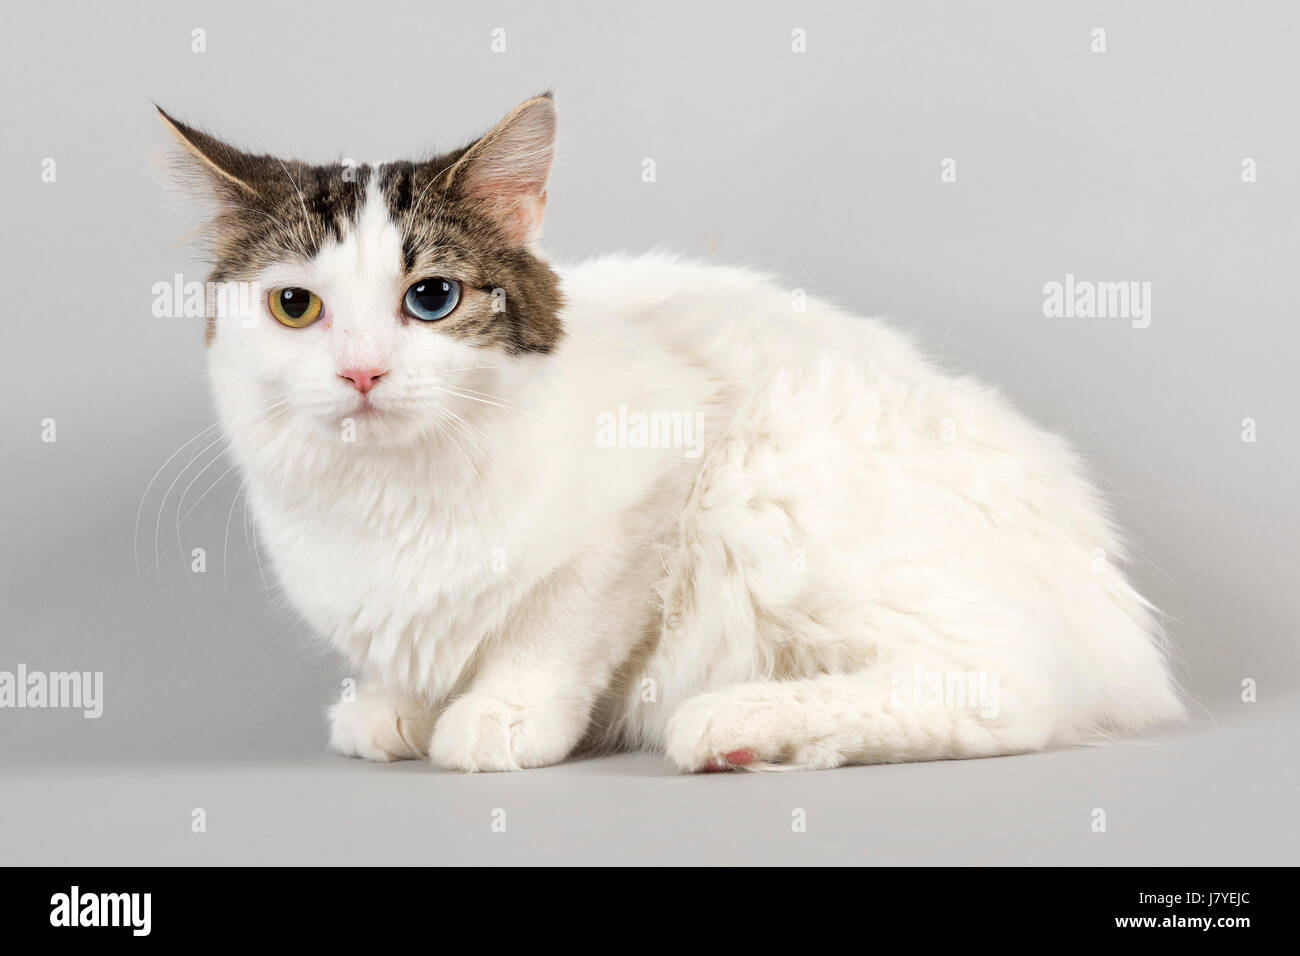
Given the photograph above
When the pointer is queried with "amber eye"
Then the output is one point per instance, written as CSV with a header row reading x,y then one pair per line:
x,y
294,307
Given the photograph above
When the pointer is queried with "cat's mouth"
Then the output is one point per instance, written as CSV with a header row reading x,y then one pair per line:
x,y
365,408
365,420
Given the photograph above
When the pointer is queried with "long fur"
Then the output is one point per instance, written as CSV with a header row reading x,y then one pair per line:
x,y
851,531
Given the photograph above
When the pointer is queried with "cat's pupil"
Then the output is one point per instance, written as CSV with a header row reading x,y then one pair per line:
x,y
432,294
295,302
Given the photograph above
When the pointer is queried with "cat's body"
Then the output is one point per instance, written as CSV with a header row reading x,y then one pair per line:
x,y
834,529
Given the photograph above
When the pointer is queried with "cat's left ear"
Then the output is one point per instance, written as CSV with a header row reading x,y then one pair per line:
x,y
505,173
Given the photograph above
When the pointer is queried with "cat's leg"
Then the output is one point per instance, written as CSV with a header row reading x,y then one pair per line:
x,y
883,714
531,700
527,713
376,724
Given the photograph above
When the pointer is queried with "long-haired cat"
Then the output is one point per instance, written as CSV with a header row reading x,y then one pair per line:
x,y
639,502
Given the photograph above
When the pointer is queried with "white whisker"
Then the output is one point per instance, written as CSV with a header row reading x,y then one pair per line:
x,y
140,511
266,421
180,548
162,505
225,544
485,401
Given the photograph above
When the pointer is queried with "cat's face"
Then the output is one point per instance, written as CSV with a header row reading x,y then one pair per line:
x,y
383,303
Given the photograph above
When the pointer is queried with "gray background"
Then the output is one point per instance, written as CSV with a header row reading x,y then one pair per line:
x,y
822,168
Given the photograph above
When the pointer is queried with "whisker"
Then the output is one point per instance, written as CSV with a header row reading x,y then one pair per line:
x,y
276,409
162,505
225,544
485,401
180,548
181,519
140,511
488,453
214,484
257,552
465,389
446,434
485,441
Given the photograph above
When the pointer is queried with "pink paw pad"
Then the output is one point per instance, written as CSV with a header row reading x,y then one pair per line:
x,y
730,761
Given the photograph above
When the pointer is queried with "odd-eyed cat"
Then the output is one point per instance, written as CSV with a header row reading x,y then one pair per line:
x,y
640,502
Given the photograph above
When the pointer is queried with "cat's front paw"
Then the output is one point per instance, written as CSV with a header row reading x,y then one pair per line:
x,y
377,726
479,733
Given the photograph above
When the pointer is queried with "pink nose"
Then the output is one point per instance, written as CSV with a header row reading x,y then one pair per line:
x,y
363,379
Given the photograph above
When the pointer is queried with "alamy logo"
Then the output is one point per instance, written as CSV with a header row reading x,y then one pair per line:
x,y
1083,299
63,689
102,909
920,689
634,429
196,300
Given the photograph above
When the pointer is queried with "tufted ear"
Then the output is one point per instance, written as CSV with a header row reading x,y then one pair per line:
x,y
229,173
504,174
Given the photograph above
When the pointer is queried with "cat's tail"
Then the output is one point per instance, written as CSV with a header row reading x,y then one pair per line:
x,y
880,715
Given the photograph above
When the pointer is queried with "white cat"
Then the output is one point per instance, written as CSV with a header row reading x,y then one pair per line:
x,y
641,503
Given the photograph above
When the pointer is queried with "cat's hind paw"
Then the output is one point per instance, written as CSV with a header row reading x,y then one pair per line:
x,y
741,728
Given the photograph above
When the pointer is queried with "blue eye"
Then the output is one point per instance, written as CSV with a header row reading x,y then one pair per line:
x,y
431,299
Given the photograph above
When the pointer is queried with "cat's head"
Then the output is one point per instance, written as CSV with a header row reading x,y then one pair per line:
x,y
386,300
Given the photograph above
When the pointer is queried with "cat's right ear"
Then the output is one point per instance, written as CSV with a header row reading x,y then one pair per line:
x,y
229,173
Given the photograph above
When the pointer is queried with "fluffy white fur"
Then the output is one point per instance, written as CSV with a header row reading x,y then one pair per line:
x,y
509,588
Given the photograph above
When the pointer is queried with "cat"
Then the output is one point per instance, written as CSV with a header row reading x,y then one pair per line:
x,y
640,503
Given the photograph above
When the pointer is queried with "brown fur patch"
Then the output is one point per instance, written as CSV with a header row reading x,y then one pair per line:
x,y
270,210
444,233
